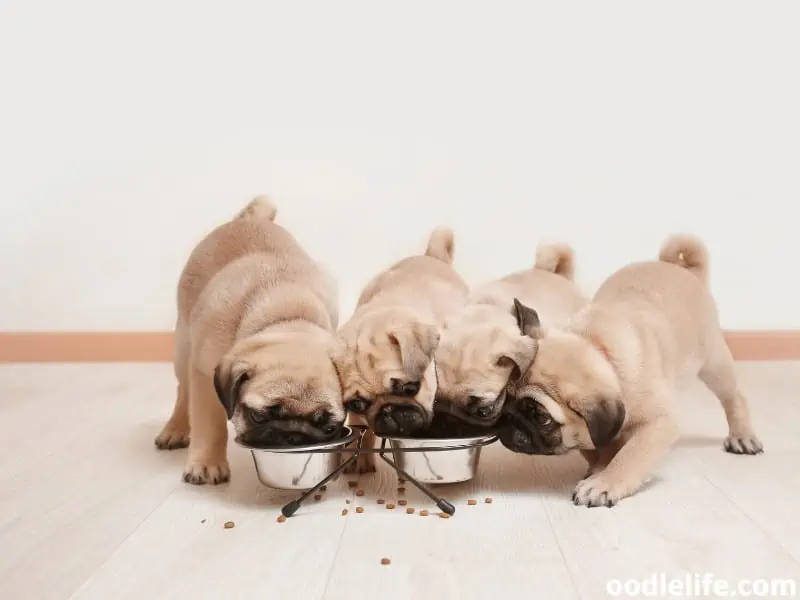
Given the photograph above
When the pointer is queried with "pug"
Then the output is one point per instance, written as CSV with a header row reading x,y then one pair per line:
x,y
482,350
606,383
253,344
386,348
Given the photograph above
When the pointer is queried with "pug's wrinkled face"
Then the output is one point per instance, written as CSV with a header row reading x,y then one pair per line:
x,y
385,363
481,351
281,390
568,399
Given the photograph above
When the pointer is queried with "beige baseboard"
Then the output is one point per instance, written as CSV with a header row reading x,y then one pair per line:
x,y
156,346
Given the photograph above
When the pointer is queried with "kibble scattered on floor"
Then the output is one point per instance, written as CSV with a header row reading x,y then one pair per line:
x,y
381,501
390,506
402,502
488,500
352,484
401,490
344,512
347,500
444,515
423,513
386,561
359,509
410,510
472,502
229,525
359,492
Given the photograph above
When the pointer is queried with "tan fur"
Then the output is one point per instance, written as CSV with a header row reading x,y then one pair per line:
x,y
481,347
556,258
254,333
394,332
614,371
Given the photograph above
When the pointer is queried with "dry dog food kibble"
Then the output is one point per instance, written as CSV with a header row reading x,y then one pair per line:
x,y
488,500
402,502
472,502
390,506
281,519
401,480
381,500
229,525
203,521
385,561
410,510
359,509
444,515
359,492
352,484
401,490
344,512
423,513
347,500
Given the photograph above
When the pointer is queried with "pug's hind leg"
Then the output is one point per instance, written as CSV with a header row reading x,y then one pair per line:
x,y
647,444
208,447
719,375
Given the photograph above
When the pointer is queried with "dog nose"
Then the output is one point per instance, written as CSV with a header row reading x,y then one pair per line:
x,y
407,389
402,419
480,408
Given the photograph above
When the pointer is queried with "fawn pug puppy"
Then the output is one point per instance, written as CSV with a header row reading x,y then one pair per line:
x,y
385,357
253,343
606,383
482,349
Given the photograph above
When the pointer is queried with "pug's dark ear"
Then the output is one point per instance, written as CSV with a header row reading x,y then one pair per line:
x,y
604,418
519,359
417,344
228,383
527,320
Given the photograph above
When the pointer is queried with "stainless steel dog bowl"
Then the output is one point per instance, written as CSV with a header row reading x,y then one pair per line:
x,y
298,467
458,463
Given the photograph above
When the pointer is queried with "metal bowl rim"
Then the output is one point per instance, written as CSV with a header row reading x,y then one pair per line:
x,y
351,436
457,443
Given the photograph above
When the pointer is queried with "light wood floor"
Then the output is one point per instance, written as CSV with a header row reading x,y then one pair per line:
x,y
90,510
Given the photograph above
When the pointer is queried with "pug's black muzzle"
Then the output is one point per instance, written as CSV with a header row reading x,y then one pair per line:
x,y
399,419
291,432
519,434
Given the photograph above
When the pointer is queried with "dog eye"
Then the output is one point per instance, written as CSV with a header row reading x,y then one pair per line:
x,y
258,417
543,418
357,404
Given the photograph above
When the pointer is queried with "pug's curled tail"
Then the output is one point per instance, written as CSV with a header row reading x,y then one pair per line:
x,y
441,244
556,258
260,207
687,251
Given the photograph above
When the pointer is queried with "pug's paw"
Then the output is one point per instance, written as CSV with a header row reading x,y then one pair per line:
x,y
199,472
172,437
743,444
598,490
365,463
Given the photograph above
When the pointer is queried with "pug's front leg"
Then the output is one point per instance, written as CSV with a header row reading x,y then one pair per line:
x,y
365,463
647,444
599,458
208,445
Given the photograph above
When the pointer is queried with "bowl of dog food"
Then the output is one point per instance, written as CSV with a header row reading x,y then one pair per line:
x,y
439,460
299,467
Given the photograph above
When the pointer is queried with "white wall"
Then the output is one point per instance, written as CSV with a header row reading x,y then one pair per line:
x,y
128,129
